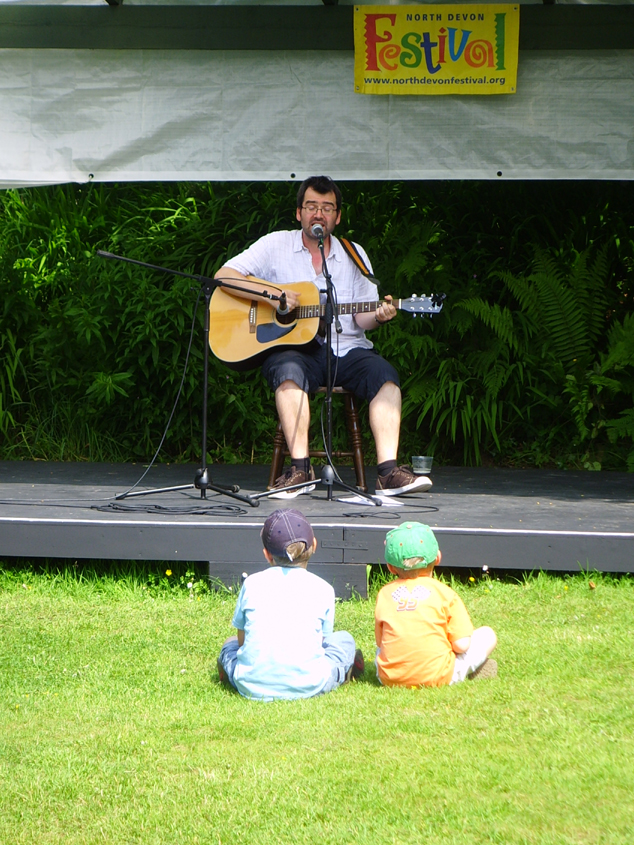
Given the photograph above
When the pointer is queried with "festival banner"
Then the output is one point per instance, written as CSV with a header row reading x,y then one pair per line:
x,y
436,49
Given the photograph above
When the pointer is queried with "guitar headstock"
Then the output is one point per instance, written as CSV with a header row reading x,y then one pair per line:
x,y
424,304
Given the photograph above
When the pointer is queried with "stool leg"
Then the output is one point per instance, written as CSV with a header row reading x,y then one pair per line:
x,y
277,464
354,430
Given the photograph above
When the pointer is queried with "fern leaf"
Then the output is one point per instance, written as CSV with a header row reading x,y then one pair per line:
x,y
500,320
621,427
620,345
562,318
524,292
589,283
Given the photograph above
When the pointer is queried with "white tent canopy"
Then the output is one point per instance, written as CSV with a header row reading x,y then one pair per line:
x,y
293,2
75,115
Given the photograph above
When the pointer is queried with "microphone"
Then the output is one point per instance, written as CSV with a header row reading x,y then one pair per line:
x,y
317,231
282,307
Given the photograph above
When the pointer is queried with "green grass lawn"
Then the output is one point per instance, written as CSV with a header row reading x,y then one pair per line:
x,y
115,729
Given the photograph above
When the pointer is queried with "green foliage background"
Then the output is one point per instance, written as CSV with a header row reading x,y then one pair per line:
x,y
530,363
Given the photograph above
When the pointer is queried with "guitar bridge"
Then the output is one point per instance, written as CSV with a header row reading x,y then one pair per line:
x,y
253,313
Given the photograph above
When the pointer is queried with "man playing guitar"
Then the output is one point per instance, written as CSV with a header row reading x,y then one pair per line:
x,y
290,256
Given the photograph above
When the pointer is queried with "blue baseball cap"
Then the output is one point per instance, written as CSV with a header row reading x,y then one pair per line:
x,y
284,527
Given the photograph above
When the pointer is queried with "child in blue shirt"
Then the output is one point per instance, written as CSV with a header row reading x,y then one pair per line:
x,y
285,645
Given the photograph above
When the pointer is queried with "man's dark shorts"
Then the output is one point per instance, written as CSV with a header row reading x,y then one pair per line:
x,y
362,371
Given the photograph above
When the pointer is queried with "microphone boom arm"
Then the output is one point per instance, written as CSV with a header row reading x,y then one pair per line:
x,y
203,280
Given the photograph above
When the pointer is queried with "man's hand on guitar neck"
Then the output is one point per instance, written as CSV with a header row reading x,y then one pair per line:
x,y
373,319
255,288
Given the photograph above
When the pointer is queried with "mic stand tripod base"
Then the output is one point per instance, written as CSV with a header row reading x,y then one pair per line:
x,y
201,482
328,478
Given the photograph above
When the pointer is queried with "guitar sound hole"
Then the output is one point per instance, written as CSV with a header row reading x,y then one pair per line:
x,y
287,319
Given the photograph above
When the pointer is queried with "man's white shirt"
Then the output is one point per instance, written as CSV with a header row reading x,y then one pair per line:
x,y
281,258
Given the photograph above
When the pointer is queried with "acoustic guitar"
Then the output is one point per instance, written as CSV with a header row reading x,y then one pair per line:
x,y
243,331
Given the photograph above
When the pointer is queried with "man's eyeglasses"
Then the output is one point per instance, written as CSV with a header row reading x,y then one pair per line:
x,y
313,207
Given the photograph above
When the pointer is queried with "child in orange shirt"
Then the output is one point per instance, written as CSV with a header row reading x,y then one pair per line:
x,y
423,632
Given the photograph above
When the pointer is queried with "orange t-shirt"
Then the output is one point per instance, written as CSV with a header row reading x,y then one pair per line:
x,y
415,622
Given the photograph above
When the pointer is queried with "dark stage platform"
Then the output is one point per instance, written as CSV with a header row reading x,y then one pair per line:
x,y
508,519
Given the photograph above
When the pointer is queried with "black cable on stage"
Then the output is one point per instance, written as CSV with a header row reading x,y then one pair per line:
x,y
57,503
392,514
113,506
194,510
178,396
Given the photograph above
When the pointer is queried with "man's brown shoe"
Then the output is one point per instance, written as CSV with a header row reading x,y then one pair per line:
x,y
291,477
402,480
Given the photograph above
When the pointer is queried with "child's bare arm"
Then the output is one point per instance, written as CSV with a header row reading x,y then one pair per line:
x,y
378,632
240,637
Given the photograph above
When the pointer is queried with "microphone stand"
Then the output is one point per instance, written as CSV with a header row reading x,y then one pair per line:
x,y
328,475
202,479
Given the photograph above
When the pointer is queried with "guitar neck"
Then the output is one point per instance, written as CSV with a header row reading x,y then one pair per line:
x,y
319,309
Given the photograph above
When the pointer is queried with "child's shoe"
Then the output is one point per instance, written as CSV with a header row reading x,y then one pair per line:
x,y
489,669
358,667
222,675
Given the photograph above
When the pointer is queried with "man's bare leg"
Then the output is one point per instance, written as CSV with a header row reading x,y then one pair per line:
x,y
385,421
294,413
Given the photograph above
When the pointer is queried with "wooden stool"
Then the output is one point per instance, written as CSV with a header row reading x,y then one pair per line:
x,y
280,449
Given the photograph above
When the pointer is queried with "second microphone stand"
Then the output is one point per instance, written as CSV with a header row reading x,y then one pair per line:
x,y
331,315
328,475
202,479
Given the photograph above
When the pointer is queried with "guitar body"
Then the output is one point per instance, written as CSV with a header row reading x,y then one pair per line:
x,y
243,331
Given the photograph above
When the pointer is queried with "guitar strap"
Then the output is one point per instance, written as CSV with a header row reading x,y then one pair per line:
x,y
355,257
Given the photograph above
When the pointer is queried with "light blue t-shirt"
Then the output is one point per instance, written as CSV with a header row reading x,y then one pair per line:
x,y
285,612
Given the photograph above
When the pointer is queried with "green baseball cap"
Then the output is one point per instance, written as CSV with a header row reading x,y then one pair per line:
x,y
411,540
